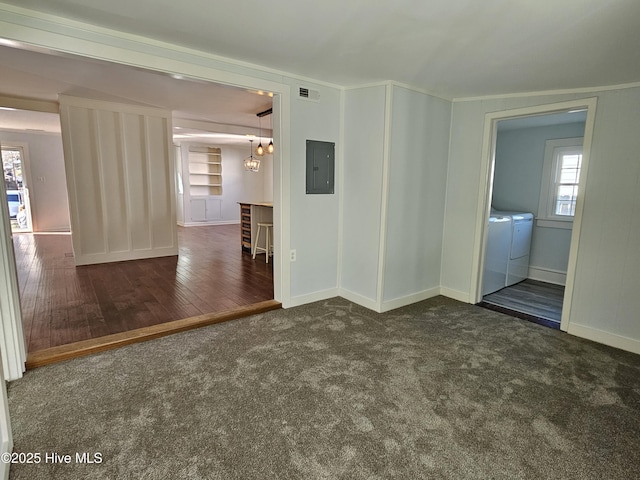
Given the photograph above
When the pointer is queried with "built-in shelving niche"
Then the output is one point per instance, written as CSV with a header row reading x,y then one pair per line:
x,y
205,170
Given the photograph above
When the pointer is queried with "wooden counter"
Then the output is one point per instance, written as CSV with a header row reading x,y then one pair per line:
x,y
250,214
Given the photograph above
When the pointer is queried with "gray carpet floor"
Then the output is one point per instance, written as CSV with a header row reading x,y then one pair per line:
x,y
436,390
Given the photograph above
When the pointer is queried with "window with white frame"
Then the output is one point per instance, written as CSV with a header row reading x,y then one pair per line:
x,y
560,182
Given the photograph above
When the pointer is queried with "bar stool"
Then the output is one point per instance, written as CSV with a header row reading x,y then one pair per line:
x,y
267,243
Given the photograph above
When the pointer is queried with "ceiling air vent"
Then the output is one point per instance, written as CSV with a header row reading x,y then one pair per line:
x,y
306,93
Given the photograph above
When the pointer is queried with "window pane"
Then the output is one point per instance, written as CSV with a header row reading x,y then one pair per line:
x,y
566,200
570,168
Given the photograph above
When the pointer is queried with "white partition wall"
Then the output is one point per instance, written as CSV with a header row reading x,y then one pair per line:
x,y
394,173
364,125
419,146
120,177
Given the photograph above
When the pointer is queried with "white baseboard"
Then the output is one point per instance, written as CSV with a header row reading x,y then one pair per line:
x,y
312,297
60,229
124,256
611,339
455,294
557,277
409,299
204,224
359,299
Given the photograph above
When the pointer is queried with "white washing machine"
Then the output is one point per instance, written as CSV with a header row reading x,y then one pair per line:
x,y
497,255
520,248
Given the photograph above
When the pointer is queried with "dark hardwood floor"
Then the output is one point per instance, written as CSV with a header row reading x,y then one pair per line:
x,y
62,303
531,300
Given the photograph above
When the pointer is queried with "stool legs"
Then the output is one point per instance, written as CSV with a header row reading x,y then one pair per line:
x,y
255,244
267,245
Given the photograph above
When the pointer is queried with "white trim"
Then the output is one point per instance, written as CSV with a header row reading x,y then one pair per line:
x,y
115,107
547,201
611,339
384,202
213,222
18,16
455,294
367,85
487,166
282,196
26,175
6,447
400,85
420,90
60,36
409,299
6,435
361,300
340,188
577,219
542,93
314,297
92,259
12,344
485,188
558,223
548,275
47,106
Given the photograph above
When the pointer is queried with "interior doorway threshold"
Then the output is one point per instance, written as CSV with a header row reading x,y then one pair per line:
x,y
87,347
547,322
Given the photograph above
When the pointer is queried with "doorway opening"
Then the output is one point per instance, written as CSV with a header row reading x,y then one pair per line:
x,y
15,169
536,171
117,283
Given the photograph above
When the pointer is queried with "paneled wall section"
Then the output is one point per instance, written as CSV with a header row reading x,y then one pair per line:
x,y
119,166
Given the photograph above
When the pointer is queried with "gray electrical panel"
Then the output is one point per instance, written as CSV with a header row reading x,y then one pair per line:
x,y
321,163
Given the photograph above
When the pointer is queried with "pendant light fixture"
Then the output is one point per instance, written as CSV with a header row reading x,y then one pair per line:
x,y
270,148
260,149
251,163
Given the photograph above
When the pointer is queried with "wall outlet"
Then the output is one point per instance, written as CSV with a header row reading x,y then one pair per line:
x,y
292,255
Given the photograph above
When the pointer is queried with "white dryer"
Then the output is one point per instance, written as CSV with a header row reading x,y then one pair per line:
x,y
497,255
521,231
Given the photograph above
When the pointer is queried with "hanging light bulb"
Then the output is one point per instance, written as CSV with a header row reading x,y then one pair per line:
x,y
260,149
270,147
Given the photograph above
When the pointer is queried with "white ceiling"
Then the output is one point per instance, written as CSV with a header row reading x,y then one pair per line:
x,y
194,104
454,48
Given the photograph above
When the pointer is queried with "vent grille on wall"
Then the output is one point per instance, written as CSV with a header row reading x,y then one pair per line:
x,y
306,93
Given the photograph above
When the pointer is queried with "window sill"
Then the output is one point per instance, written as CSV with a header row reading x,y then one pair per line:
x,y
548,223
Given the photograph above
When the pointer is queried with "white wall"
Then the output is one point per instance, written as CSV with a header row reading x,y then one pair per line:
x,y
605,300
396,148
48,190
516,187
312,223
314,218
120,178
419,145
364,133
238,185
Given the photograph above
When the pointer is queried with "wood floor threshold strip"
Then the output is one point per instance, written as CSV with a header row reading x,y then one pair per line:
x,y
87,347
547,322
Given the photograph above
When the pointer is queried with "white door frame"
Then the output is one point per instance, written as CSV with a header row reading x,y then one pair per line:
x,y
487,167
12,346
26,177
